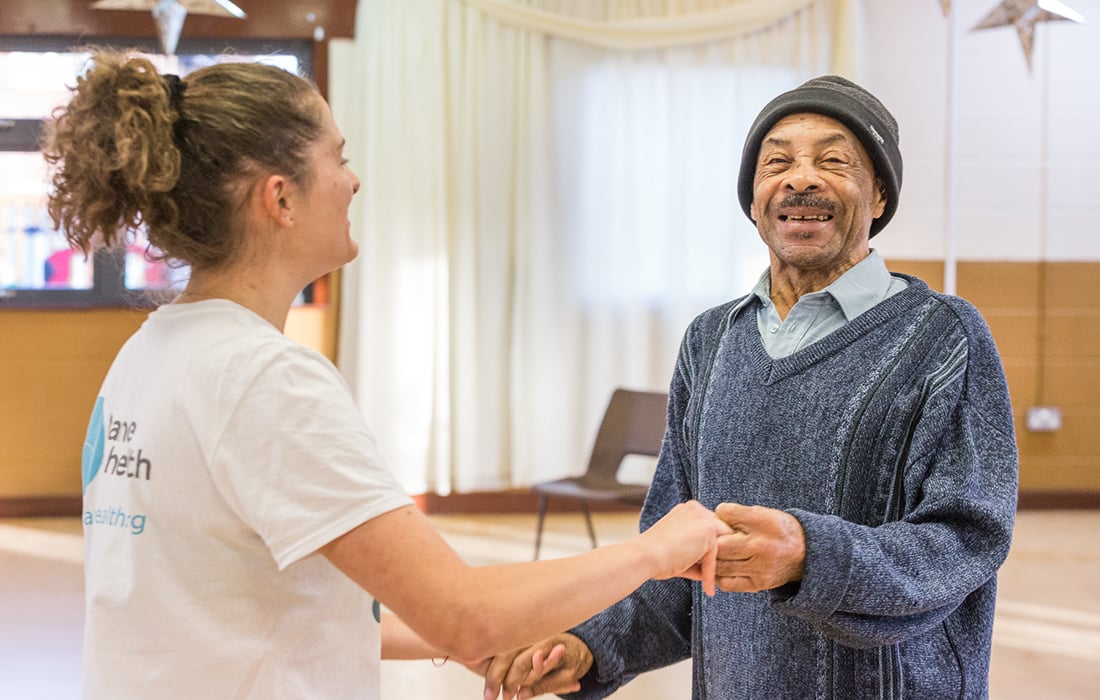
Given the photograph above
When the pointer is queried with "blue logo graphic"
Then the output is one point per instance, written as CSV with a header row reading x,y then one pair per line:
x,y
91,458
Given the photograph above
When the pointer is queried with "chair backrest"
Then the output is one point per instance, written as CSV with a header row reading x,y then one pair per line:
x,y
634,424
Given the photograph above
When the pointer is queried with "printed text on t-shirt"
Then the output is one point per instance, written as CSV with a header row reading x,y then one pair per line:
x,y
121,459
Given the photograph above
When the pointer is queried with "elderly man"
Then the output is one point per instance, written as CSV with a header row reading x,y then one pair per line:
x,y
854,429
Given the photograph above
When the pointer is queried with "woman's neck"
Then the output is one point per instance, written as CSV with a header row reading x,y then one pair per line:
x,y
261,295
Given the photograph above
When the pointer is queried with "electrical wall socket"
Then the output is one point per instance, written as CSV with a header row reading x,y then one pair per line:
x,y
1044,419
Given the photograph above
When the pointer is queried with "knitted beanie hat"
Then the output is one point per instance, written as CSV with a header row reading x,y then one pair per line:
x,y
849,104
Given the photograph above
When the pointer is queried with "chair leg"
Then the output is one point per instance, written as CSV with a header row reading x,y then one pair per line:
x,y
588,522
542,515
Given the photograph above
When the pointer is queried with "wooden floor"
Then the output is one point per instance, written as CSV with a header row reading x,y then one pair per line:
x,y
1046,635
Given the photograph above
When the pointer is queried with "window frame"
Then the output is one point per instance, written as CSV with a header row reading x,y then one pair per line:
x,y
108,289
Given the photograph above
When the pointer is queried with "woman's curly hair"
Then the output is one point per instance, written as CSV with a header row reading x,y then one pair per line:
x,y
132,149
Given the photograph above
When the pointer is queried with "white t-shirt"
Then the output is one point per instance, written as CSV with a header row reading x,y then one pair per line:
x,y
220,456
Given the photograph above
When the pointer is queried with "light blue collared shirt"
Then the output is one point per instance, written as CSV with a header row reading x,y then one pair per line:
x,y
818,314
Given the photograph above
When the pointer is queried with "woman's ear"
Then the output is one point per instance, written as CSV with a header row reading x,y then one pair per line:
x,y
276,196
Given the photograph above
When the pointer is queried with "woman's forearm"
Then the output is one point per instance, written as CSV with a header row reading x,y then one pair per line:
x,y
473,612
400,642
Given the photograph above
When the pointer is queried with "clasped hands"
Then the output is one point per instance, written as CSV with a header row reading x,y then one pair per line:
x,y
762,548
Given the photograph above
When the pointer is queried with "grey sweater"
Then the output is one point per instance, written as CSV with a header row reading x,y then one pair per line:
x,y
892,442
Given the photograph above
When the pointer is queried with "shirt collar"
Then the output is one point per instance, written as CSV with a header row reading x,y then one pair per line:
x,y
856,291
860,288
761,291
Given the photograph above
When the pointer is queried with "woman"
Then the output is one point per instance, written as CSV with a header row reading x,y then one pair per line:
x,y
241,529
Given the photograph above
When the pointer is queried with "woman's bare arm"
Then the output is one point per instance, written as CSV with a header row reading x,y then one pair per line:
x,y
472,612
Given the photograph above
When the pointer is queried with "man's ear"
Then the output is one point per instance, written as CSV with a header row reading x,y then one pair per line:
x,y
276,196
880,198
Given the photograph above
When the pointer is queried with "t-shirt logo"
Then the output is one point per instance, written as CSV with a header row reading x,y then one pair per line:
x,y
91,458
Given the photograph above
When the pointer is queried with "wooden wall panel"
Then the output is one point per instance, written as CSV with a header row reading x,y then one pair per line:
x,y
53,364
931,271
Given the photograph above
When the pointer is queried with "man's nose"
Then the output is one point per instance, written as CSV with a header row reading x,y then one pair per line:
x,y
803,176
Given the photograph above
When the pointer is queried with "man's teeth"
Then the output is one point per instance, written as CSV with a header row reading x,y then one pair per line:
x,y
818,217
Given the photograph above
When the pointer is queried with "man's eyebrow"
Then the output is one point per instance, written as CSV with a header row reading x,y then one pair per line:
x,y
827,140
830,139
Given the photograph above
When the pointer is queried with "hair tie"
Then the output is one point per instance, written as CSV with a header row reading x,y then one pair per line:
x,y
175,89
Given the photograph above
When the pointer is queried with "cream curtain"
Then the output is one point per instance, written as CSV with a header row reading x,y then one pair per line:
x,y
639,31
548,199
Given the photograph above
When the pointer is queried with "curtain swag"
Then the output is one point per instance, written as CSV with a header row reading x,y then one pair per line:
x,y
651,32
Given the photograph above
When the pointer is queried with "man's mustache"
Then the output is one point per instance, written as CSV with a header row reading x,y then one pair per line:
x,y
809,200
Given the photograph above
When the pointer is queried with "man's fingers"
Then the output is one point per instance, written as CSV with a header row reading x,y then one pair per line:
x,y
557,683
730,513
553,658
529,670
740,518
522,672
527,693
738,584
541,664
500,667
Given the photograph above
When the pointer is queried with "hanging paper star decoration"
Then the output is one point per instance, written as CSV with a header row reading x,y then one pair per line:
x,y
1024,15
170,14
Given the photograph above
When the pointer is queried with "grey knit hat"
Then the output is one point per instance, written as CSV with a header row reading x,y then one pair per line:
x,y
851,105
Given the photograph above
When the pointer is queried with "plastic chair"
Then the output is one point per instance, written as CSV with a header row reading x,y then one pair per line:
x,y
634,424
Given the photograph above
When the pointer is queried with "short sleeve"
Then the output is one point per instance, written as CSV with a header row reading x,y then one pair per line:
x,y
296,460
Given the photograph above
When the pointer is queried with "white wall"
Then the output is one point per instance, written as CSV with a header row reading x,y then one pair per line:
x,y
1026,141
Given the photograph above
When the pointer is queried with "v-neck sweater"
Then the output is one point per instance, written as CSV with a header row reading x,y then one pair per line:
x,y
891,440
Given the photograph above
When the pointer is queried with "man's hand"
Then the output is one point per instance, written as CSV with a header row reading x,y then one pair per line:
x,y
766,550
555,665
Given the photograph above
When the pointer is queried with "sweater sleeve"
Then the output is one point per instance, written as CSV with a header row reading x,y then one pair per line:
x,y
867,586
651,628
646,631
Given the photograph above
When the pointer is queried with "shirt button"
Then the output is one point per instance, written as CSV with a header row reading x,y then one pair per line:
x,y
775,329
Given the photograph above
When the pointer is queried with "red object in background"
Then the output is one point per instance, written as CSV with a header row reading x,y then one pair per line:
x,y
59,268
320,290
